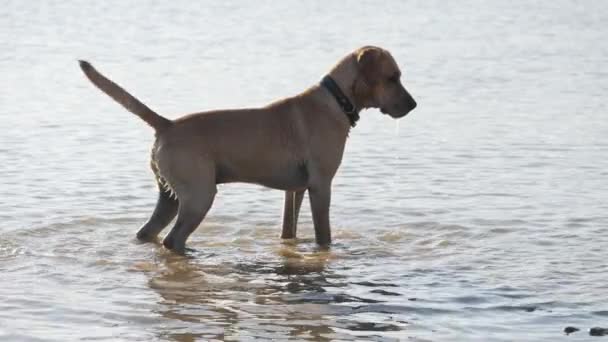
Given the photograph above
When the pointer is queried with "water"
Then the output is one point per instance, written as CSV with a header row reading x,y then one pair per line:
x,y
482,216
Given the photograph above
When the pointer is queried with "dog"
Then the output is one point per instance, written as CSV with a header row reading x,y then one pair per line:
x,y
294,144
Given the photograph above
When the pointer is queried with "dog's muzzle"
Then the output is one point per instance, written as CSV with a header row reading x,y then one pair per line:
x,y
402,111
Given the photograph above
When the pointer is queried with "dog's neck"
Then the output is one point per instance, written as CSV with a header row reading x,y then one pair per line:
x,y
348,107
345,74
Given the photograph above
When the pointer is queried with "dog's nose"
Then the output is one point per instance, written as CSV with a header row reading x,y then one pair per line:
x,y
411,104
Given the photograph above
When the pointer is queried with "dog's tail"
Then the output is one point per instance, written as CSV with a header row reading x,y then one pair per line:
x,y
127,100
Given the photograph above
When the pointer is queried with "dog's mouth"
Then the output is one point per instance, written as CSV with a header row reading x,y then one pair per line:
x,y
399,111
395,116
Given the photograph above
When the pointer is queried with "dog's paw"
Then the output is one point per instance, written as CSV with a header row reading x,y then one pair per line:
x,y
143,237
172,245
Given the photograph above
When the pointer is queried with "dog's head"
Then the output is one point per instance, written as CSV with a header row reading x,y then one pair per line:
x,y
378,83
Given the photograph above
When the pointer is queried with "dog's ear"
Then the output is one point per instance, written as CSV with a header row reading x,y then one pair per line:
x,y
368,60
368,64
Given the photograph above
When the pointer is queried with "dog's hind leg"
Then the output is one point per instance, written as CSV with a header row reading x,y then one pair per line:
x,y
195,199
166,208
291,210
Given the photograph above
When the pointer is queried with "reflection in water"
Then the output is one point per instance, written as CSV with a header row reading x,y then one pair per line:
x,y
187,299
295,294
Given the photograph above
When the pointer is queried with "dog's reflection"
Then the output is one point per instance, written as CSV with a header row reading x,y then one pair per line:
x,y
211,299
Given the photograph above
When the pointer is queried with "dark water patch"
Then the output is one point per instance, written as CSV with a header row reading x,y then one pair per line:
x,y
564,237
400,309
511,292
500,230
308,284
570,330
585,219
507,308
327,298
368,326
302,286
469,299
597,331
375,284
515,295
385,293
546,242
576,225
603,313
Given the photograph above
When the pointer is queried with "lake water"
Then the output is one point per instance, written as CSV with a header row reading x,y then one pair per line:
x,y
481,216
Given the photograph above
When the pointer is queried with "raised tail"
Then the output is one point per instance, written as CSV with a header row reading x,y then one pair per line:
x,y
121,96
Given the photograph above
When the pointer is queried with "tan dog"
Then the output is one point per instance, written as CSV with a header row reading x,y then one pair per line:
x,y
294,144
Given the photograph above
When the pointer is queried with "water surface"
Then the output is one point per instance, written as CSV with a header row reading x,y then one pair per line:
x,y
482,216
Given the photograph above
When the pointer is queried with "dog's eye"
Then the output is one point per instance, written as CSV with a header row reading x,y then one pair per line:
x,y
394,78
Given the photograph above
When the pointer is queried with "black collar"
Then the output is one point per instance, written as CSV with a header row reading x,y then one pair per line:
x,y
348,107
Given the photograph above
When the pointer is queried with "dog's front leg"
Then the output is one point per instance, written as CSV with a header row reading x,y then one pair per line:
x,y
320,198
291,210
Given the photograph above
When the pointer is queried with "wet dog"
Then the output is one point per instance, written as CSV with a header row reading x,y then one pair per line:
x,y
294,144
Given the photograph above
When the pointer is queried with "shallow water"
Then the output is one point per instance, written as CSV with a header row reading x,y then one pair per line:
x,y
482,216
